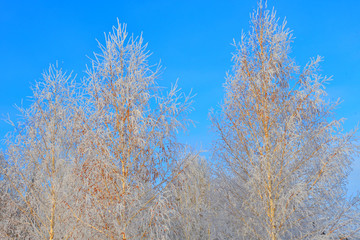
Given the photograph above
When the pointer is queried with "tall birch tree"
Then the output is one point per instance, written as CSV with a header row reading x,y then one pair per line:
x,y
130,154
284,156
39,160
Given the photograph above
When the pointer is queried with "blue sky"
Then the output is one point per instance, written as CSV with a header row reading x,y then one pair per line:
x,y
191,38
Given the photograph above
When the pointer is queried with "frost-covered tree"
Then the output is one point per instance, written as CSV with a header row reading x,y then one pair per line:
x,y
284,157
192,200
129,150
10,227
38,162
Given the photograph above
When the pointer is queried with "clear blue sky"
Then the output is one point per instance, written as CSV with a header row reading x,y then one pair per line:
x,y
191,37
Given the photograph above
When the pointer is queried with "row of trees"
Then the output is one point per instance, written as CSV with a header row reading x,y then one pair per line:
x,y
99,158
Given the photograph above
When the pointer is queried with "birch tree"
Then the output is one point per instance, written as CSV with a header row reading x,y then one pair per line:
x,y
284,156
38,162
10,216
192,201
130,152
